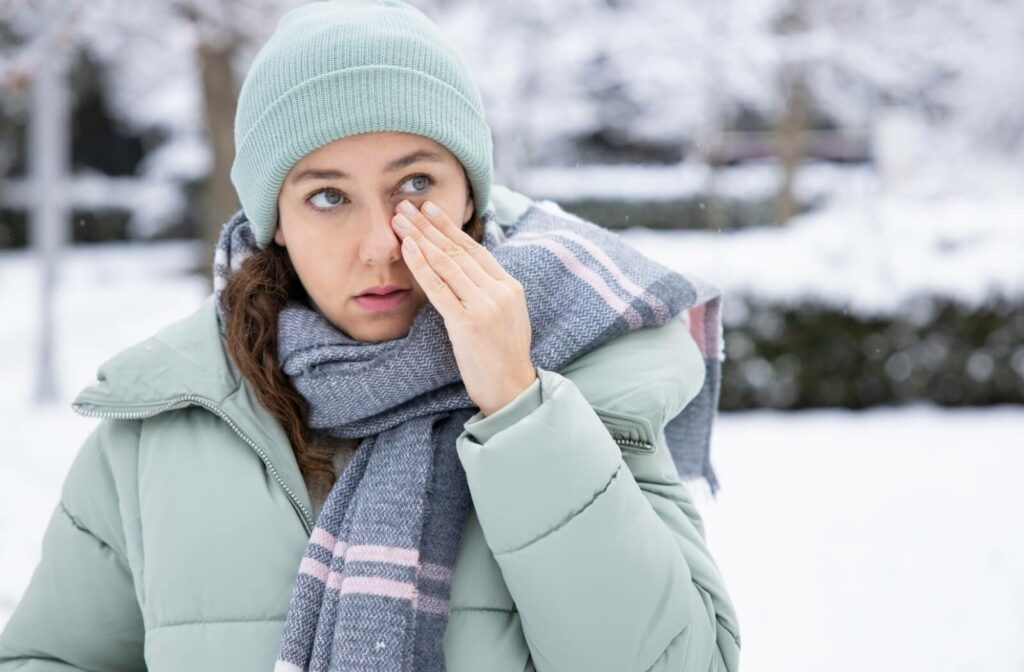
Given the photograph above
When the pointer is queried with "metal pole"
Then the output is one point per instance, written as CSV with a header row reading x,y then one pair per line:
x,y
49,149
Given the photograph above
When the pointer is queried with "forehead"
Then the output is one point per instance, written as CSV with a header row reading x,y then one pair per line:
x,y
370,151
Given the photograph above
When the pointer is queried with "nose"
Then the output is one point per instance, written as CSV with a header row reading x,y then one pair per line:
x,y
380,244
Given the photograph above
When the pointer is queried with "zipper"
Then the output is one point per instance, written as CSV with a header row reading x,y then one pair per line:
x,y
645,446
183,401
619,425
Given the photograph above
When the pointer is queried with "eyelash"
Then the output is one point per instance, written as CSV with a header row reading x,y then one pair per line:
x,y
309,198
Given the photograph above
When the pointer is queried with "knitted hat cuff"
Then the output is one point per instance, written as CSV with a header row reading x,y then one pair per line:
x,y
374,98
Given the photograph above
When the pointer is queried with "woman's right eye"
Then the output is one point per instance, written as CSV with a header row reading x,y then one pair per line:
x,y
327,203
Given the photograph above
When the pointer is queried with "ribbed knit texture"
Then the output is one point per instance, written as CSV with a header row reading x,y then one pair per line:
x,y
343,67
373,586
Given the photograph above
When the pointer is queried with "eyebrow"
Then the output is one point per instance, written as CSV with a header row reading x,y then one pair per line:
x,y
397,164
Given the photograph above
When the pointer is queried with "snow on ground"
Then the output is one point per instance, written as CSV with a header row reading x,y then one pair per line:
x,y
883,540
887,539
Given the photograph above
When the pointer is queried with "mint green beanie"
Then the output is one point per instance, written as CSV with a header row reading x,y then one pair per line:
x,y
343,67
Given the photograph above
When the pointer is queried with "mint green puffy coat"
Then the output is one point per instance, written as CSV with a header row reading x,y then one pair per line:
x,y
184,517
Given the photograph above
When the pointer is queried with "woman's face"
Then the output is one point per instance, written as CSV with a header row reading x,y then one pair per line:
x,y
336,206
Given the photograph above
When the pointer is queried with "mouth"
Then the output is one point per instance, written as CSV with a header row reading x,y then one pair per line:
x,y
381,302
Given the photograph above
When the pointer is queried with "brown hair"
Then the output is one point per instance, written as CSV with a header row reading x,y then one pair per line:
x,y
252,299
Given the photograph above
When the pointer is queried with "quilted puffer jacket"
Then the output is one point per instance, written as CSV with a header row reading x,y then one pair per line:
x,y
183,519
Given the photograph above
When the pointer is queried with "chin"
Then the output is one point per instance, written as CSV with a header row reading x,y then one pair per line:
x,y
374,328
385,330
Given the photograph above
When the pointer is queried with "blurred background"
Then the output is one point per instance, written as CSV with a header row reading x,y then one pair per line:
x,y
850,172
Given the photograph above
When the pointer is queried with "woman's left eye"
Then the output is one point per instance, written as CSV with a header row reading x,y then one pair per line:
x,y
424,180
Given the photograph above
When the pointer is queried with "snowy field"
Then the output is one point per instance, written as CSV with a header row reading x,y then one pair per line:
x,y
884,540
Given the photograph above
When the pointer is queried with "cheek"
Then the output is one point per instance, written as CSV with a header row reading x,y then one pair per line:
x,y
320,262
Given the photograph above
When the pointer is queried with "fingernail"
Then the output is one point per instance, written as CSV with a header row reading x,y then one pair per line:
x,y
407,207
401,222
431,209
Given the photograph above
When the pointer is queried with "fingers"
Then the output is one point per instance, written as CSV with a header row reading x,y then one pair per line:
x,y
441,230
438,292
446,258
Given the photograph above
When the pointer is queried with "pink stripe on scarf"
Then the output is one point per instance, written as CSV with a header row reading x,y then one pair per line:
x,y
574,266
371,585
658,307
389,554
322,537
314,568
698,328
702,321
405,557
435,572
320,572
430,603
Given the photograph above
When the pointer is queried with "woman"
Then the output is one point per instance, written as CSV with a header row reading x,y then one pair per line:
x,y
421,424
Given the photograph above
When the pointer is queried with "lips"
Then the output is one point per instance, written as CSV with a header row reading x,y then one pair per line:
x,y
380,293
383,290
382,302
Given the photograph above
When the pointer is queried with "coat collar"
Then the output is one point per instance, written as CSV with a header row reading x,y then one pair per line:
x,y
186,357
187,364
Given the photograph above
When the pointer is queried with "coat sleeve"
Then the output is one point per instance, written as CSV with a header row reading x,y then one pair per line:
x,y
80,610
601,548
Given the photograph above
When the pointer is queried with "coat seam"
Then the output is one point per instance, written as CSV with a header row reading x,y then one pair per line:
x,y
215,622
82,528
140,585
31,656
668,646
568,518
499,609
715,621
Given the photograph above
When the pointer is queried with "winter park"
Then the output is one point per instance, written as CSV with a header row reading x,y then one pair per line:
x,y
849,175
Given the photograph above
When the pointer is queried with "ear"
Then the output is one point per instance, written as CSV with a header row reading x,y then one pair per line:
x,y
279,234
467,213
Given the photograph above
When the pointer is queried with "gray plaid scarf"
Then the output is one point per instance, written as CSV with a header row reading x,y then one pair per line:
x,y
373,585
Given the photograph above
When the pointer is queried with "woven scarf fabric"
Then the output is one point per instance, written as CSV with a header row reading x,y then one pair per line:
x,y
373,585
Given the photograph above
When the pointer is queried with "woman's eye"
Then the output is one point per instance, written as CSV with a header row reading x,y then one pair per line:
x,y
332,198
324,200
423,181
